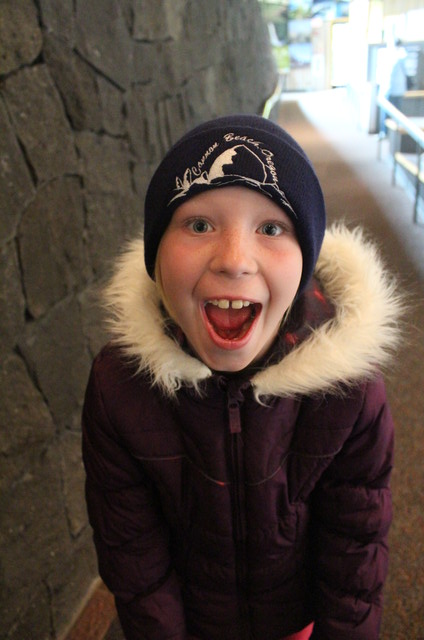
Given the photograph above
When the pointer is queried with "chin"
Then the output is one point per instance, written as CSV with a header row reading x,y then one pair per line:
x,y
228,363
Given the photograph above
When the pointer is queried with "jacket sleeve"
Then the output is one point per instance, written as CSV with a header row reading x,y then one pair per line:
x,y
130,534
351,517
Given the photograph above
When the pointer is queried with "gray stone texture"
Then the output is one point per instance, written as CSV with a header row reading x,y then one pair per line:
x,y
92,93
40,122
12,300
103,39
51,244
20,35
16,186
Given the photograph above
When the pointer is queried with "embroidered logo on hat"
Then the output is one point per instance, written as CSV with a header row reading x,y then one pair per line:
x,y
232,161
246,150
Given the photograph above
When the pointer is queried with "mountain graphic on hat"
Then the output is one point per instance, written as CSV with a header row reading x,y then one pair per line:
x,y
235,162
238,164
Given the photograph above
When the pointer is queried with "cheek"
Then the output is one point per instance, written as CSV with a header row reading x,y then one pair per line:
x,y
297,269
174,273
286,280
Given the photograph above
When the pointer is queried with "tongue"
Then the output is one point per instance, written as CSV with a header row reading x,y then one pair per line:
x,y
229,323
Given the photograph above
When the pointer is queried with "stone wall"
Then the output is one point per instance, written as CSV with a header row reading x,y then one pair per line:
x,y
92,92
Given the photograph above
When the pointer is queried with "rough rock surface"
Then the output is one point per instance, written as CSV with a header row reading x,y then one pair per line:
x,y
92,92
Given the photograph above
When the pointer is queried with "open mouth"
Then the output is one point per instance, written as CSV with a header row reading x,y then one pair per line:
x,y
231,319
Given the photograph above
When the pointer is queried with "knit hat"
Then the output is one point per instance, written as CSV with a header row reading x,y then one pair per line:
x,y
245,150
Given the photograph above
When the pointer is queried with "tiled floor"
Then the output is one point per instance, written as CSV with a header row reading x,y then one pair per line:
x,y
115,632
97,618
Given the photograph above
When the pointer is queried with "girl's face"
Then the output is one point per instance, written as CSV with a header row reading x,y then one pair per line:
x,y
229,265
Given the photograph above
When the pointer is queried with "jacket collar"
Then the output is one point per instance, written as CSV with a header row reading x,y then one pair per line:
x,y
347,347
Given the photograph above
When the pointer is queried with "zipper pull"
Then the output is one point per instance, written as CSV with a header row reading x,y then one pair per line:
x,y
234,416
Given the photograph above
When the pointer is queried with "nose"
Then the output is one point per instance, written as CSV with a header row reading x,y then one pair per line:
x,y
234,255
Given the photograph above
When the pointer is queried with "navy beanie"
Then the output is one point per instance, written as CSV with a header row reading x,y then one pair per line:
x,y
245,150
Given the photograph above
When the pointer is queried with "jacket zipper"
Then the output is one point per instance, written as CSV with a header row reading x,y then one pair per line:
x,y
239,522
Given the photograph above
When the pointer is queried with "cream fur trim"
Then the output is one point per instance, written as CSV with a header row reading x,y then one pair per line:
x,y
360,337
137,325
345,349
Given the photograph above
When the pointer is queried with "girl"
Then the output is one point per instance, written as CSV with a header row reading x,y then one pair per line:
x,y
236,434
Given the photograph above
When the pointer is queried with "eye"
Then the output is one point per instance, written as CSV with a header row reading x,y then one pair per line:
x,y
271,229
199,225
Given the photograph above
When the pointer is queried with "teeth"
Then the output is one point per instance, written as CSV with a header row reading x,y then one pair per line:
x,y
226,304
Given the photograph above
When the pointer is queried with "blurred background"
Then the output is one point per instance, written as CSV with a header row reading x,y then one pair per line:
x,y
92,93
322,44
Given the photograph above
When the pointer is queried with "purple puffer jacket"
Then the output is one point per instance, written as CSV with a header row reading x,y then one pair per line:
x,y
251,509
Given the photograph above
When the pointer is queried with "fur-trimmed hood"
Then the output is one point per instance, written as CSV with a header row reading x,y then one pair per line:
x,y
345,349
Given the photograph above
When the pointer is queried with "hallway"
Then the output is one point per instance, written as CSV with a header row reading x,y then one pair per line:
x,y
358,189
